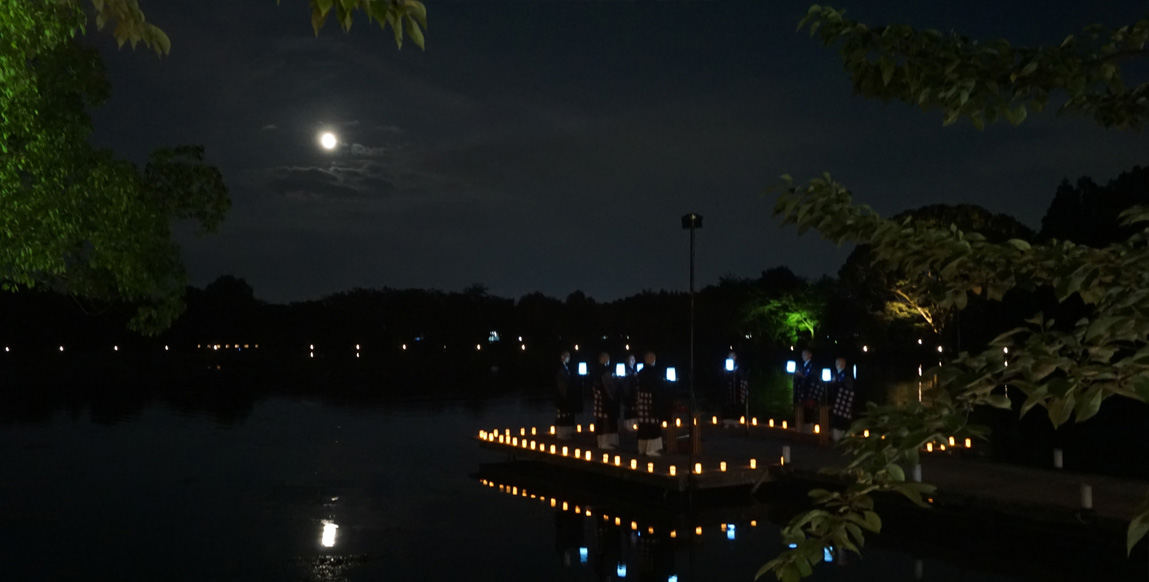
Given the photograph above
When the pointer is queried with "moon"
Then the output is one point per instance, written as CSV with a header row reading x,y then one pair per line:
x,y
328,141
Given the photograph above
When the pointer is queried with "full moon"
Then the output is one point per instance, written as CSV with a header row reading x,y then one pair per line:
x,y
328,141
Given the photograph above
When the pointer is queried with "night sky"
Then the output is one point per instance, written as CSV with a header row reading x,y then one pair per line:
x,y
553,146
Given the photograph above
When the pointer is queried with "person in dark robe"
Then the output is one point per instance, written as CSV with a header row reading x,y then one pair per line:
x,y
736,391
567,397
605,404
807,394
841,394
628,389
647,409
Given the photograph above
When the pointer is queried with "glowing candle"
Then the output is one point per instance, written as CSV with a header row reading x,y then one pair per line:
x,y
507,432
515,442
678,422
698,468
564,451
533,431
722,526
673,470
634,426
588,455
650,530
617,461
578,453
741,420
713,420
698,531
753,523
722,466
606,458
552,430
514,490
633,525
633,464
968,443
753,463
941,447
673,534
552,449
553,502
929,447
564,506
500,439
817,429
522,432
650,467
578,428
590,427
771,423
618,521
783,424
754,421
664,425
951,441
866,433
532,445
577,509
782,460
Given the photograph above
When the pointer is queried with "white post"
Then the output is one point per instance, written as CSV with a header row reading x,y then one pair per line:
x,y
786,454
1086,496
917,474
1058,459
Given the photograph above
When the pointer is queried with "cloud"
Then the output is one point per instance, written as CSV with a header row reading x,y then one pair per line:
x,y
336,182
270,127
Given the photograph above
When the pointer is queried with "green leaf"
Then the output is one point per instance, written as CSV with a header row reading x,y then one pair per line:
x,y
887,66
998,401
1138,527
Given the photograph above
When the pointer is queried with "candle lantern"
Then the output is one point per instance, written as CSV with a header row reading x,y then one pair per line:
x,y
753,463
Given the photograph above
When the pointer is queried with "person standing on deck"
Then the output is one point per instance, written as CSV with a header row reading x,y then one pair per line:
x,y
648,416
841,392
627,389
806,395
567,395
605,404
737,390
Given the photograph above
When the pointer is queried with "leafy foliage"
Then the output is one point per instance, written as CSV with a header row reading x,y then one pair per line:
x,y
1068,367
400,15
786,316
987,81
73,217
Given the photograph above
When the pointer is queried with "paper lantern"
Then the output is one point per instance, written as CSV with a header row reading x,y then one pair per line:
x,y
722,466
753,463
698,468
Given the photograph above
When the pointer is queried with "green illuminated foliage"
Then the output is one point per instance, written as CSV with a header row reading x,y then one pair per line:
x,y
1069,368
72,217
785,318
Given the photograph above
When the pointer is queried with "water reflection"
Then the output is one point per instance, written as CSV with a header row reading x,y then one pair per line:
x,y
327,538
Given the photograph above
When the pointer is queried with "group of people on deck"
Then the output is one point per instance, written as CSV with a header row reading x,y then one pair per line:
x,y
636,397
639,397
810,392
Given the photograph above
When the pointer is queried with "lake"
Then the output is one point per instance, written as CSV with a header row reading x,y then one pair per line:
x,y
299,488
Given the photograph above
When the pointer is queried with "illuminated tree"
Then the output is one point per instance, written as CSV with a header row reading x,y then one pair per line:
x,y
1069,367
786,317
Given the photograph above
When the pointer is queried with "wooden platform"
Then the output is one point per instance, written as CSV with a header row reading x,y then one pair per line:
x,y
963,480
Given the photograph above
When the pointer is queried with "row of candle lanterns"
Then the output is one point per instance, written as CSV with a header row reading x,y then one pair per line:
x,y
588,512
505,438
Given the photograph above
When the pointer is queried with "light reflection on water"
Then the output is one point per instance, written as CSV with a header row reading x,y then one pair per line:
x,y
388,488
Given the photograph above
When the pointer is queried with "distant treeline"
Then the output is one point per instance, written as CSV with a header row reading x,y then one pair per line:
x,y
762,316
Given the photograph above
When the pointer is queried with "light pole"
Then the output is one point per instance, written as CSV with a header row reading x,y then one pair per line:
x,y
692,222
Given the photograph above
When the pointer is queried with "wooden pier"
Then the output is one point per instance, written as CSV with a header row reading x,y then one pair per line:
x,y
749,457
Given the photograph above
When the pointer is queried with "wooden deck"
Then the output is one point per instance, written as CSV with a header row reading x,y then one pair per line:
x,y
963,480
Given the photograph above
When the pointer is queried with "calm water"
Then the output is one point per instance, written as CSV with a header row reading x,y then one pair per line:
x,y
169,495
